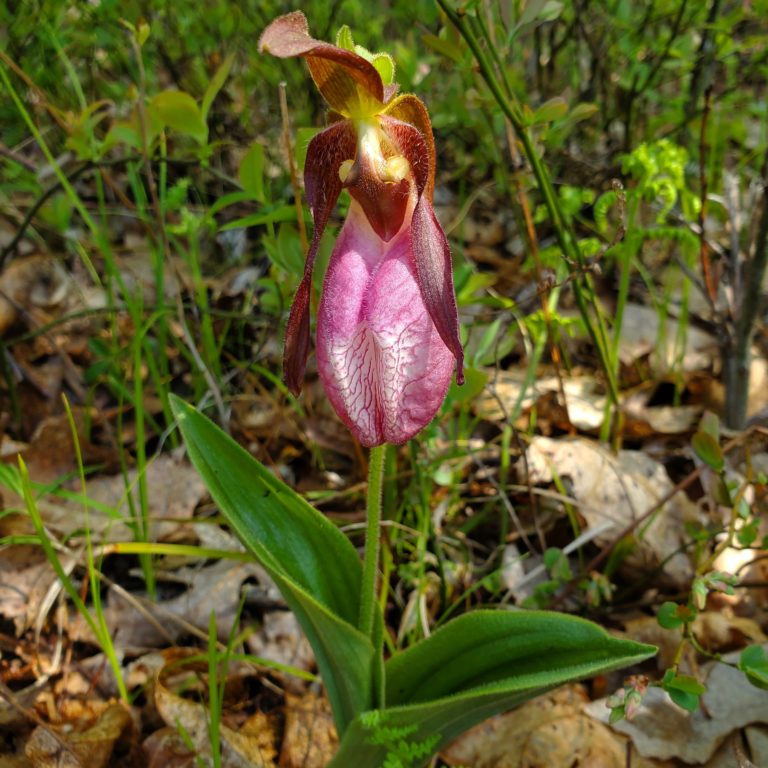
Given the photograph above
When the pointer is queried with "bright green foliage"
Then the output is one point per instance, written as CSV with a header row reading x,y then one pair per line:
x,y
753,662
684,690
475,666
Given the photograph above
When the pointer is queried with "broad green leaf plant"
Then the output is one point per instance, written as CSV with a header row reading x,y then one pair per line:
x,y
387,345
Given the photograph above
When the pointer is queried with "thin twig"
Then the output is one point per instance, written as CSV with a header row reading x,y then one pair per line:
x,y
706,265
22,161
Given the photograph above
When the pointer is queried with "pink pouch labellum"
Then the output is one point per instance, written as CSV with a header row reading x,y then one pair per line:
x,y
383,364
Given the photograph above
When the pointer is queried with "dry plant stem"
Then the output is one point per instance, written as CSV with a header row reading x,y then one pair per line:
x,y
597,330
706,265
288,144
145,147
522,200
22,161
737,353
368,601
209,379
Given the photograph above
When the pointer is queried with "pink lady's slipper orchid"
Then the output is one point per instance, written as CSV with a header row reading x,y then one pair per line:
x,y
387,330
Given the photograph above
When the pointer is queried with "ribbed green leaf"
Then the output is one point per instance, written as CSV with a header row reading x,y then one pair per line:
x,y
315,566
474,667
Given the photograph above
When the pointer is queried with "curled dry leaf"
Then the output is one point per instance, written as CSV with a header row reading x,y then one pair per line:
x,y
310,739
214,588
92,746
26,578
586,404
642,335
281,640
614,491
31,284
242,748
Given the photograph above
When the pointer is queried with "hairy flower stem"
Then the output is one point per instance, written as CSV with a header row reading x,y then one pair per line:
x,y
597,330
368,600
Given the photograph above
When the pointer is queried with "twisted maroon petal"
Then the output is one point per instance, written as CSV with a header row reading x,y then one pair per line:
x,y
409,141
325,153
410,109
341,76
434,274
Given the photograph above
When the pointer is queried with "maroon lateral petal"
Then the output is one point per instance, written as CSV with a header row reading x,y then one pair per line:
x,y
434,273
408,141
337,72
325,153
411,110
431,254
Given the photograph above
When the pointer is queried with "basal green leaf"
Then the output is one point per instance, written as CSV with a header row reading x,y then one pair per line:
x,y
474,667
487,647
314,565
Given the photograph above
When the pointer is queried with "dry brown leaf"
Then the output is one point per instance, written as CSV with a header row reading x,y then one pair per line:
x,y
26,577
15,761
213,588
238,749
586,403
28,284
720,630
611,491
137,269
165,748
646,629
51,452
548,732
280,639
310,739
641,335
91,747
174,489
665,731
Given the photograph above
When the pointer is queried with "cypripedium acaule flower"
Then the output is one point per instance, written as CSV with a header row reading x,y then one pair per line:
x,y
387,327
